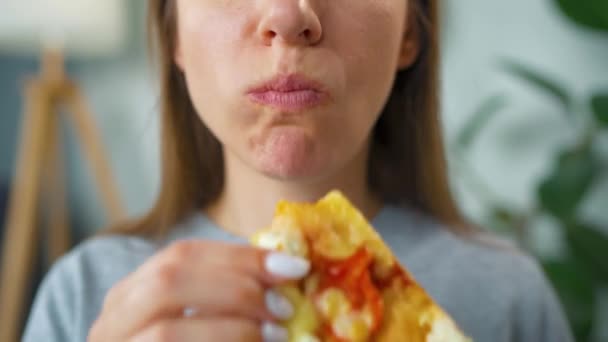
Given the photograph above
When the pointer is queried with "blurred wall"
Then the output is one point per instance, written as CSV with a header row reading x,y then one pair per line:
x,y
11,69
123,95
120,90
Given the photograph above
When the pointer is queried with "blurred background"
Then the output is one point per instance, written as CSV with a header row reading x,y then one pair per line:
x,y
525,113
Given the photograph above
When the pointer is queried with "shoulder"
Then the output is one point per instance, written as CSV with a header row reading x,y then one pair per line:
x,y
105,257
482,261
109,247
72,292
489,279
94,265
430,244
122,252
101,259
100,256
488,254
480,277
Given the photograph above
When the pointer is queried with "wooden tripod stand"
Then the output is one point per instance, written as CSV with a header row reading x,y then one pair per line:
x,y
40,172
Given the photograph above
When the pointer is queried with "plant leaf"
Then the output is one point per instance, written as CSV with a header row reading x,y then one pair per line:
x,y
562,191
539,81
599,105
479,119
591,245
500,220
591,14
575,289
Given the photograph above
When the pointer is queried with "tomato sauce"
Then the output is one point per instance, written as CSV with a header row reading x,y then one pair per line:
x,y
353,276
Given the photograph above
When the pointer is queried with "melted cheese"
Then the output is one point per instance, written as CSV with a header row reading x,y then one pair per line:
x,y
333,303
354,326
347,323
283,236
304,323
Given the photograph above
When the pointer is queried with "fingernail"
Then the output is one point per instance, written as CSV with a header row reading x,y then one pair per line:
x,y
285,265
278,305
274,333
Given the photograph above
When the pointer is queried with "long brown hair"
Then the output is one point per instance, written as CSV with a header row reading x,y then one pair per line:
x,y
407,166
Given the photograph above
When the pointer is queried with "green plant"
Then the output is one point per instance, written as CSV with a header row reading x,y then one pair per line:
x,y
582,271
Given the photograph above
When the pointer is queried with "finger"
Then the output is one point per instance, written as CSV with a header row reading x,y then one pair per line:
x,y
277,306
165,295
212,330
268,266
218,329
265,265
217,278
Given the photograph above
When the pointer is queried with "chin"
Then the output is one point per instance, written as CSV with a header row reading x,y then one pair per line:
x,y
291,169
290,153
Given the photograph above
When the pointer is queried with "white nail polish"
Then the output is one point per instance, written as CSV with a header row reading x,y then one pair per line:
x,y
274,333
278,305
285,265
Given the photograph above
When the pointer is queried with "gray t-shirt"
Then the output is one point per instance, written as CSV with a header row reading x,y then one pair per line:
x,y
493,292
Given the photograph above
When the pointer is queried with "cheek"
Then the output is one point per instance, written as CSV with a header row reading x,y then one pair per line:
x,y
372,47
369,33
209,39
368,39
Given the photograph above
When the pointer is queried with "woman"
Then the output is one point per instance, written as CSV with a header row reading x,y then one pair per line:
x,y
282,99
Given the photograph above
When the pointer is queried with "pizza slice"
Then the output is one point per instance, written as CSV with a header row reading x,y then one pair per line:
x,y
356,290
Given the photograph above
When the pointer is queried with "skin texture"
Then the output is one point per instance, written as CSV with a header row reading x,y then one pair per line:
x,y
352,47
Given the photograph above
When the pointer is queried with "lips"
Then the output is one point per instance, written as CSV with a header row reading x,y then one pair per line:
x,y
289,93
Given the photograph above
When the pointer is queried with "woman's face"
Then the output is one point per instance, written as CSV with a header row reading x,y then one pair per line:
x,y
350,50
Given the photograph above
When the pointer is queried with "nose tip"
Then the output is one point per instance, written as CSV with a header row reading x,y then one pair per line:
x,y
305,36
290,23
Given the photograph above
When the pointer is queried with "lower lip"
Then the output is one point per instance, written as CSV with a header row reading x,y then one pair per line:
x,y
291,101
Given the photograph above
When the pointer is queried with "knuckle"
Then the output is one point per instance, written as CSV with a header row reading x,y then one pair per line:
x,y
182,250
248,291
166,277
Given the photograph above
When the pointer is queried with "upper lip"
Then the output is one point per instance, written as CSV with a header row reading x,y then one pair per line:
x,y
288,83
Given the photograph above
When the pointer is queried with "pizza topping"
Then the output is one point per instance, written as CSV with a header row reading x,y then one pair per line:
x,y
354,326
307,338
286,240
346,297
332,303
345,323
304,323
444,329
